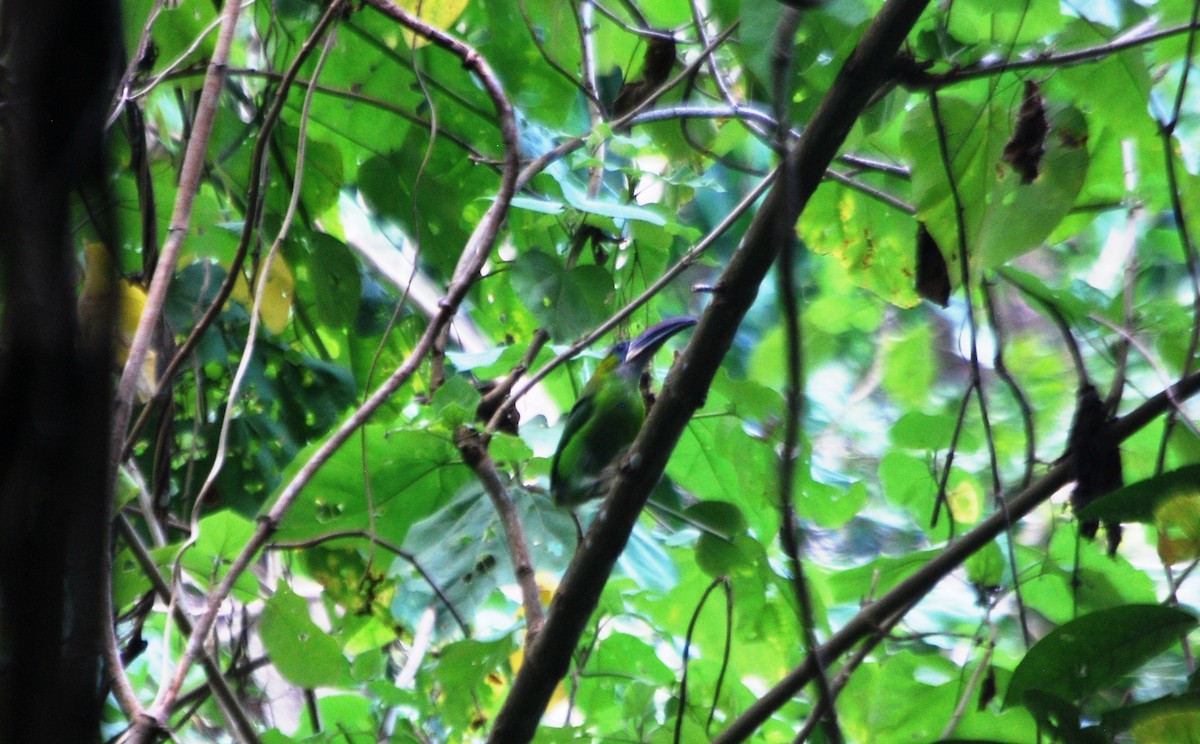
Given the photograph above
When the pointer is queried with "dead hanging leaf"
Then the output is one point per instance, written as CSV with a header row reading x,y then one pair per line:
x,y
660,58
656,69
933,279
1025,149
987,690
490,402
1097,462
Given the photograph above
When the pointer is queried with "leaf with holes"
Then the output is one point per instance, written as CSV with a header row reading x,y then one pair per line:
x,y
303,653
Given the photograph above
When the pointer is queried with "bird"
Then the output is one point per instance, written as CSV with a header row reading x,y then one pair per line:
x,y
606,418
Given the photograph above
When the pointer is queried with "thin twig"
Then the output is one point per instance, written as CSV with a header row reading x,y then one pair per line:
x,y
391,548
794,395
474,255
587,90
1191,256
1066,59
547,660
968,692
243,729
689,258
1018,394
976,383
474,453
264,275
924,579
842,678
181,216
722,582
1148,354
250,221
252,333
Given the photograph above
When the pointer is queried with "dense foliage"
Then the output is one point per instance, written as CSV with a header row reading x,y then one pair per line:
x,y
370,565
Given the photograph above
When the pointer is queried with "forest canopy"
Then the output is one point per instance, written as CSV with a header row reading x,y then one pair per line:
x,y
925,469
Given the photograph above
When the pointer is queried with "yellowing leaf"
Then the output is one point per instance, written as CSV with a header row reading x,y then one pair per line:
x,y
547,584
277,296
1177,726
97,274
1178,523
965,502
439,13
874,242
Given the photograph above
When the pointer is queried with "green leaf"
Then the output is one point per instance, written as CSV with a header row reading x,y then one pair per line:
x,y
223,534
1174,718
303,653
872,579
1003,217
830,506
412,474
917,703
1072,307
335,280
537,205
1061,592
910,366
629,657
508,448
464,665
906,478
716,460
873,241
1139,502
722,550
979,20
567,303
916,430
1093,651
455,402
322,180
612,209
985,568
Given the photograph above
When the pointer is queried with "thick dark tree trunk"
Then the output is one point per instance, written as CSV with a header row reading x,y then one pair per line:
x,y
59,59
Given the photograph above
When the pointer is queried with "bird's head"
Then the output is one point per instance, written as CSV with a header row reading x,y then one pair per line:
x,y
631,357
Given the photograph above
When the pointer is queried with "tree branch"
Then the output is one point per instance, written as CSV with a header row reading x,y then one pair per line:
x,y
920,583
181,217
548,657
249,225
470,264
474,453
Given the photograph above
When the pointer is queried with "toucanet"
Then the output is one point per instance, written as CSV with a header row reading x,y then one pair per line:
x,y
607,417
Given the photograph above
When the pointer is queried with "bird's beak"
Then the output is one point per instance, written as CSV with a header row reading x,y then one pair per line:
x,y
642,348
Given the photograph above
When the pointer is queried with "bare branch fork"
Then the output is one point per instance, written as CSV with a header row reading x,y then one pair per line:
x,y
471,262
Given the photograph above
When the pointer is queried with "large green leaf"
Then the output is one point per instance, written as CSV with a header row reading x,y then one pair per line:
x,y
1084,655
1174,719
303,653
412,474
1139,502
874,241
567,302
1003,217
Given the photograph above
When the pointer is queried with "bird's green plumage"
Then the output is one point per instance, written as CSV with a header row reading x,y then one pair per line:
x,y
606,418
